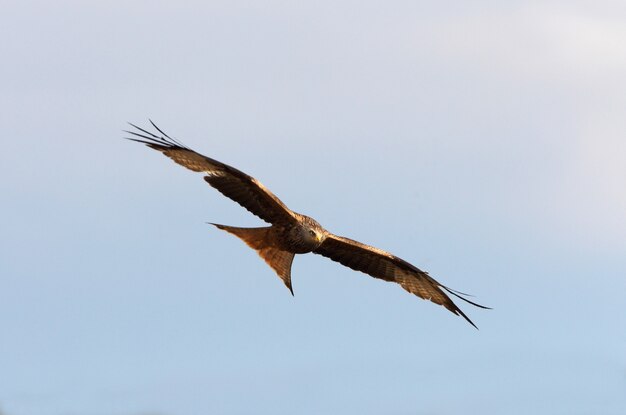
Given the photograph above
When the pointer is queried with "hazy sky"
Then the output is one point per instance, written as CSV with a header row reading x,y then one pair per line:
x,y
484,142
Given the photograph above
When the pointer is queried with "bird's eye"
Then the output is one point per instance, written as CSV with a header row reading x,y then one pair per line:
x,y
312,232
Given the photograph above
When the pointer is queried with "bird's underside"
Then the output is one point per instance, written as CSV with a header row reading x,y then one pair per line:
x,y
291,233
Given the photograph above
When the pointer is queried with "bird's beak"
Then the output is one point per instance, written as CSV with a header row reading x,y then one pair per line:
x,y
318,237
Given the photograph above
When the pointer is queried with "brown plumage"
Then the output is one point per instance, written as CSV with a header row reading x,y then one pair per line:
x,y
292,233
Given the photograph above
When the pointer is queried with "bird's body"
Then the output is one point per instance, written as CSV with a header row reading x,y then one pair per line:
x,y
291,233
302,237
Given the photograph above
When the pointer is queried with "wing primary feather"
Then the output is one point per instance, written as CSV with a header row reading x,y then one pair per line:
x,y
462,314
140,141
461,293
144,137
178,143
169,142
165,140
156,140
148,141
158,129
454,293
145,131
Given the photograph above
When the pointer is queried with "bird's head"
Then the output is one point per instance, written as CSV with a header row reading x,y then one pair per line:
x,y
312,232
313,236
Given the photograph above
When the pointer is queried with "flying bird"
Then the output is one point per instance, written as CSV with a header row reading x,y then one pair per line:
x,y
291,233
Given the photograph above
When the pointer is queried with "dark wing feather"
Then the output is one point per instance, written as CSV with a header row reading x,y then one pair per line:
x,y
232,183
385,266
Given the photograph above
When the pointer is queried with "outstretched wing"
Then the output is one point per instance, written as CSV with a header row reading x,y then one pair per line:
x,y
232,183
383,265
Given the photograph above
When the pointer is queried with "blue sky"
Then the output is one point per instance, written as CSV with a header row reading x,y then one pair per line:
x,y
482,142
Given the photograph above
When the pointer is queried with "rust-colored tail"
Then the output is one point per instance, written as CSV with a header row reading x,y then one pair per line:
x,y
260,239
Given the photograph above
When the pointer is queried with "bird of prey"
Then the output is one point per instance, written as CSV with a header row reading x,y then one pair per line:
x,y
291,233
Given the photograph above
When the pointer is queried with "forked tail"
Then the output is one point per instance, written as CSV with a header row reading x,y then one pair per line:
x,y
262,241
